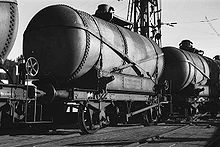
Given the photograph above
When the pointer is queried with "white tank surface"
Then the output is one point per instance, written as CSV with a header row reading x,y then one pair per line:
x,y
8,26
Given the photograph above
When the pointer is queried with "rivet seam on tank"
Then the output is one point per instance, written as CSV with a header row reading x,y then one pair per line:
x,y
125,42
155,73
10,32
203,64
83,16
101,44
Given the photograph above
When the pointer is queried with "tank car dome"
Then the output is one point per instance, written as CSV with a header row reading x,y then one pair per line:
x,y
8,26
57,39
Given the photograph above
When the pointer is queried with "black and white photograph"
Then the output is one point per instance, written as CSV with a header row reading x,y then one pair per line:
x,y
116,73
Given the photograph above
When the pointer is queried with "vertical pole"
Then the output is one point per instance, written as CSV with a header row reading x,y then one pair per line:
x,y
171,98
26,102
129,9
135,16
144,15
35,105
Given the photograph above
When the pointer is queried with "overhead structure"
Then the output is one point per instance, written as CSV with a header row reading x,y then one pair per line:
x,y
146,16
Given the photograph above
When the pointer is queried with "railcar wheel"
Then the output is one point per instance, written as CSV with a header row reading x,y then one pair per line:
x,y
150,118
89,119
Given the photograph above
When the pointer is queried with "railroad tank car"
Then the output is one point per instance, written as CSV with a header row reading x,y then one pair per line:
x,y
191,76
8,26
213,105
71,45
104,68
183,68
8,32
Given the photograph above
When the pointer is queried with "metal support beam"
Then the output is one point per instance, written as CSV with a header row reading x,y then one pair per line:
x,y
142,110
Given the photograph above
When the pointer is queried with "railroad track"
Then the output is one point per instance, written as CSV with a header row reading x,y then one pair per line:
x,y
165,138
163,134
157,137
117,136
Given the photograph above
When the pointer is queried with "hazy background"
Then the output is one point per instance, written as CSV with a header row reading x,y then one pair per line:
x,y
189,15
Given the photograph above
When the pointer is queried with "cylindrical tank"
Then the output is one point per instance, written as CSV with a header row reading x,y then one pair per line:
x,y
214,82
182,68
56,37
8,26
68,43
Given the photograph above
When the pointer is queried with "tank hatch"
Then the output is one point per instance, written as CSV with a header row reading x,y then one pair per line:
x,y
106,12
187,45
217,57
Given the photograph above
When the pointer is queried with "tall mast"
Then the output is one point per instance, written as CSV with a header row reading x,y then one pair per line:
x,y
146,17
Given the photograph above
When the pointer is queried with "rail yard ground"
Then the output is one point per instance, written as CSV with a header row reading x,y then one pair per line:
x,y
202,132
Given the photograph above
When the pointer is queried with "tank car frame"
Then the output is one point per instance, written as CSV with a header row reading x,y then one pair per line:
x,y
95,109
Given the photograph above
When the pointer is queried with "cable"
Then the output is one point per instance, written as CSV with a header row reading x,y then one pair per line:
x,y
211,26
